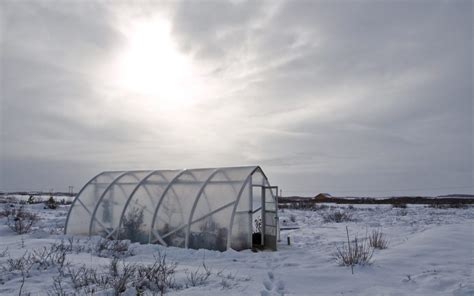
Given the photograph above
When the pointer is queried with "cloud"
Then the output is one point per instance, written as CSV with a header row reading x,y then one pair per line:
x,y
213,28
327,95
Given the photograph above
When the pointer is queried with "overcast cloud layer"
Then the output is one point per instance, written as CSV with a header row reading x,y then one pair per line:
x,y
346,97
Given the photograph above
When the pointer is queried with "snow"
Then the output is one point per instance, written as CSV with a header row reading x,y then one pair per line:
x,y
430,253
37,197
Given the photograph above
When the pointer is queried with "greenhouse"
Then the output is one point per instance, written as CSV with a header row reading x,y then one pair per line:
x,y
211,208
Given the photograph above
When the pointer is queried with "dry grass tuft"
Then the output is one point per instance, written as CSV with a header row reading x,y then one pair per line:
x,y
377,239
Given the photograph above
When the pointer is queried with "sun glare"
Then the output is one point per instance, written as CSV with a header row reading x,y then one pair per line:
x,y
152,67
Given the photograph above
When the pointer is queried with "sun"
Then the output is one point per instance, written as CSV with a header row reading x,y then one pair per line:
x,y
151,66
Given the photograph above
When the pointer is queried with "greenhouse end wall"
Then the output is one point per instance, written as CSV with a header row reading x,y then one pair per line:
x,y
210,208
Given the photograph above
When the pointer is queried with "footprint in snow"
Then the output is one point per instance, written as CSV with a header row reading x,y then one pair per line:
x,y
272,287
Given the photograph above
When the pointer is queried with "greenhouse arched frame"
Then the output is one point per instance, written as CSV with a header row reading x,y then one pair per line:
x,y
210,208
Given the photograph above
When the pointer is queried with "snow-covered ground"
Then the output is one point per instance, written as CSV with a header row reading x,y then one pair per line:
x,y
430,252
37,198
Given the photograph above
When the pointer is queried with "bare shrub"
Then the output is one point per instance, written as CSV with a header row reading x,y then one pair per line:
x,y
337,217
399,205
39,259
120,277
20,220
22,264
117,277
58,288
198,277
355,252
113,248
82,277
45,258
74,245
158,277
70,245
377,239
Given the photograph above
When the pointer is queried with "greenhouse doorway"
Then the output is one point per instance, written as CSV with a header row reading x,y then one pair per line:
x,y
266,231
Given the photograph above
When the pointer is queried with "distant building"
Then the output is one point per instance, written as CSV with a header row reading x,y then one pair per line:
x,y
322,196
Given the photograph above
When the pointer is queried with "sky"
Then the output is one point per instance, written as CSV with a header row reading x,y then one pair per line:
x,y
368,98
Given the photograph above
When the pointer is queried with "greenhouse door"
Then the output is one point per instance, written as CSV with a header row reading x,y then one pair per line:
x,y
269,217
